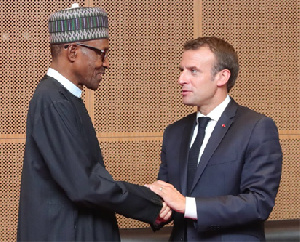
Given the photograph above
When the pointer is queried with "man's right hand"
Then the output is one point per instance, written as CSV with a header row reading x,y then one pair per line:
x,y
173,198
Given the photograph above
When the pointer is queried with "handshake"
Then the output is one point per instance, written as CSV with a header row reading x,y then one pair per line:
x,y
173,200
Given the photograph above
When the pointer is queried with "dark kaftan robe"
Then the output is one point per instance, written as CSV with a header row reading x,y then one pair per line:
x,y
66,192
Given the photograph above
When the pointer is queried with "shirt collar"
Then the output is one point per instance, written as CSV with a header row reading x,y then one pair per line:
x,y
70,86
216,113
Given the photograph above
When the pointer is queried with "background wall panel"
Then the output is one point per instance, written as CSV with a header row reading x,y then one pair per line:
x,y
139,95
287,204
136,161
24,52
266,35
140,92
11,157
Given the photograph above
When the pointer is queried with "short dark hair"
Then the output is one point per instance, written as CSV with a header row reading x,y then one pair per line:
x,y
55,50
225,55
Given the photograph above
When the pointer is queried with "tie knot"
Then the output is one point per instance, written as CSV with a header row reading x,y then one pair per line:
x,y
202,121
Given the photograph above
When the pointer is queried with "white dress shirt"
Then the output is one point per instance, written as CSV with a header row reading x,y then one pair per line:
x,y
214,115
70,86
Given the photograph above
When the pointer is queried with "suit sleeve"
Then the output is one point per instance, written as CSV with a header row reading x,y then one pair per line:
x,y
163,175
259,183
84,182
163,170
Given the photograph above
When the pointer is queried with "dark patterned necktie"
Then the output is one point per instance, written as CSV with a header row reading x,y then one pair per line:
x,y
194,151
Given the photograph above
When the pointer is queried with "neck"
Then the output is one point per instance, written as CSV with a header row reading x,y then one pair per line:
x,y
65,71
206,109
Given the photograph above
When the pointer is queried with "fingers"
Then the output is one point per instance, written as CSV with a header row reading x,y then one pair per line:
x,y
157,189
165,190
160,182
163,184
165,212
171,196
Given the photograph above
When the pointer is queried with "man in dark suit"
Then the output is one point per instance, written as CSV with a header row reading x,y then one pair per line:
x,y
66,192
233,186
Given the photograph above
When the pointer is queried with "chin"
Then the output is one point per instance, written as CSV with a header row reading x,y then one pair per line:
x,y
94,88
188,103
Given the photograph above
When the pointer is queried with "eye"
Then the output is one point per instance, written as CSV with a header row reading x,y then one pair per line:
x,y
194,71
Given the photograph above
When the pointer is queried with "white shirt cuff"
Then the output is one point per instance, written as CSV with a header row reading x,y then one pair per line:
x,y
190,208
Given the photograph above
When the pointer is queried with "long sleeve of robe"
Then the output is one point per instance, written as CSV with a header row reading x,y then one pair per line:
x,y
66,192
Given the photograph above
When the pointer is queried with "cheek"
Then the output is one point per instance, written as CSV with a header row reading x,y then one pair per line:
x,y
198,85
90,68
203,87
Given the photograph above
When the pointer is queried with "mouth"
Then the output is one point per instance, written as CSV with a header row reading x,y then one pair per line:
x,y
185,92
98,77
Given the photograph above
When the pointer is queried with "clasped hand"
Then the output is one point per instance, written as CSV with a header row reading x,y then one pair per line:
x,y
173,198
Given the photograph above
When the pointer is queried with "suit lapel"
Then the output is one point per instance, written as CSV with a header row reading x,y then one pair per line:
x,y
184,150
216,137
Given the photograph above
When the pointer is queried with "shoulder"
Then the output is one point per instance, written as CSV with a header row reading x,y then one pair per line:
x,y
249,114
251,120
246,115
49,90
190,118
51,96
182,123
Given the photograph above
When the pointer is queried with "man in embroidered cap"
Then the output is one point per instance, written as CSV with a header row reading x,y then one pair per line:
x,y
66,192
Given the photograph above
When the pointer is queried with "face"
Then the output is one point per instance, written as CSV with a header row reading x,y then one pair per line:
x,y
199,87
90,66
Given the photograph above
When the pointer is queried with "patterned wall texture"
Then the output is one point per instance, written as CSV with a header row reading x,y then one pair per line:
x,y
140,92
266,35
139,95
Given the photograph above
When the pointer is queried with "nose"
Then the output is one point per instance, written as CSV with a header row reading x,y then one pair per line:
x,y
182,78
106,63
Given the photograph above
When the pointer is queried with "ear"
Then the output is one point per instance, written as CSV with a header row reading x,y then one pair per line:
x,y
222,77
71,52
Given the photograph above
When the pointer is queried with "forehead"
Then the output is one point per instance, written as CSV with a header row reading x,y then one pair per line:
x,y
99,43
197,57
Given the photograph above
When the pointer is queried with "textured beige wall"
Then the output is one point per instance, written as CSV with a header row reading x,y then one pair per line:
x,y
139,95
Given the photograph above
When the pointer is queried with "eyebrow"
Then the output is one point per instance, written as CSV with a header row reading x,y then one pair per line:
x,y
188,67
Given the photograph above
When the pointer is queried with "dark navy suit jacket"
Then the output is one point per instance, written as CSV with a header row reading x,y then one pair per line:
x,y
237,178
